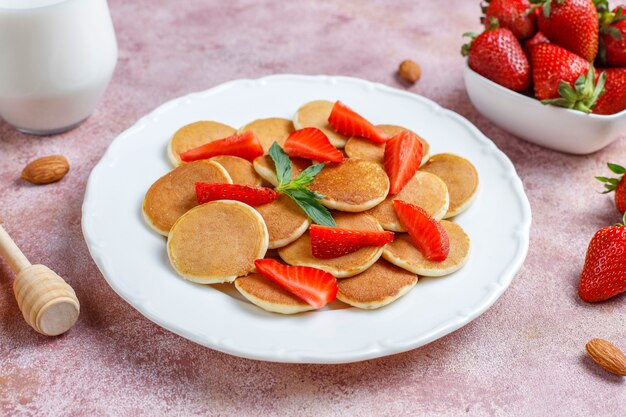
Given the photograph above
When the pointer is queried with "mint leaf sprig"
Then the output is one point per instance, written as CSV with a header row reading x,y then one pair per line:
x,y
297,188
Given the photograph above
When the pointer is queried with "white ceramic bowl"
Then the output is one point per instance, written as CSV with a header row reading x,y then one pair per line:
x,y
550,126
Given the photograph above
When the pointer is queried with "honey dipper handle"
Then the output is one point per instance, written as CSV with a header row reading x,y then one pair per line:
x,y
11,253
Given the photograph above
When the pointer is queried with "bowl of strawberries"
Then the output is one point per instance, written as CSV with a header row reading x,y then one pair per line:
x,y
552,72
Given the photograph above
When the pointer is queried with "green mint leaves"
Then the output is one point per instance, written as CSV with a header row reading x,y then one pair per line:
x,y
296,188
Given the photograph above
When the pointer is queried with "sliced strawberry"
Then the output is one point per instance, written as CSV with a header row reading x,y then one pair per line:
x,y
403,156
245,145
312,285
332,242
346,121
427,233
311,143
249,194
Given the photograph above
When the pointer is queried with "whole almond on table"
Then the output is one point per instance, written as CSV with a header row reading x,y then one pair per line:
x,y
410,71
607,355
46,170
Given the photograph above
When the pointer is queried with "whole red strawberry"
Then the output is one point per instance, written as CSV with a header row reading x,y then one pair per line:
x,y
497,54
572,24
604,272
616,184
614,98
612,50
510,15
555,73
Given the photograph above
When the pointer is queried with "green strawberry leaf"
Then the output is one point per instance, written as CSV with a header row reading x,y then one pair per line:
x,y
617,169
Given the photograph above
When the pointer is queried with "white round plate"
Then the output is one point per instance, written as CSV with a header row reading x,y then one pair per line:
x,y
133,258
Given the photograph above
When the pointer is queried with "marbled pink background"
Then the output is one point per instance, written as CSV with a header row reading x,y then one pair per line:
x,y
524,357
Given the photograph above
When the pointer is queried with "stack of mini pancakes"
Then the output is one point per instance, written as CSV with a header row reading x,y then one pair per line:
x,y
218,242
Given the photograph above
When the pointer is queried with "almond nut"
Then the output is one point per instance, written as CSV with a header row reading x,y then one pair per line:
x,y
410,71
46,170
607,355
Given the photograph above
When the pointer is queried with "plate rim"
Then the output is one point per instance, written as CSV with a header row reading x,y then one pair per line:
x,y
374,349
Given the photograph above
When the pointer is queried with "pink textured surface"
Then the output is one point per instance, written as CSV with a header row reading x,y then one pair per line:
x,y
525,356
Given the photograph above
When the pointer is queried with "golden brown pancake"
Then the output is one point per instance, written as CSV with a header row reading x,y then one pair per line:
x,y
270,296
403,253
353,185
298,253
380,285
239,169
285,221
424,190
366,149
270,130
315,114
264,166
217,242
461,178
174,194
196,134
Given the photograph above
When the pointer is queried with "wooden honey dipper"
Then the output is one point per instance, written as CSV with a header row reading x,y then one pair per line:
x,y
48,304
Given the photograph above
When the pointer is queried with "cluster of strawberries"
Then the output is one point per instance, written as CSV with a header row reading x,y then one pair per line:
x,y
553,46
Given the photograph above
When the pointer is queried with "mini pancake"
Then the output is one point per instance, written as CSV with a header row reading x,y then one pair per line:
x,y
196,134
425,190
285,221
461,178
270,130
354,185
381,284
174,194
403,253
366,149
315,114
217,242
298,253
239,169
264,166
270,296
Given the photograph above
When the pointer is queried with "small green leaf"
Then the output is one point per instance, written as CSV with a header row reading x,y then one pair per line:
x,y
567,92
282,164
580,84
603,179
617,169
560,102
308,175
547,8
312,207
599,90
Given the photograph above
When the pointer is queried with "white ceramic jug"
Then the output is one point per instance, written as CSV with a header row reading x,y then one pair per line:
x,y
56,59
